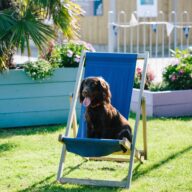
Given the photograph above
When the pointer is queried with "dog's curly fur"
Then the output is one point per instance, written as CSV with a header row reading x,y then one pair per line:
x,y
103,120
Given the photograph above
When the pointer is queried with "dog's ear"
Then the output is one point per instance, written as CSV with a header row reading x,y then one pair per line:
x,y
106,89
81,98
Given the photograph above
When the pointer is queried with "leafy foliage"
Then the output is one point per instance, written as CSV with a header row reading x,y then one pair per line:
x,y
68,54
6,49
158,86
64,14
178,75
39,70
21,21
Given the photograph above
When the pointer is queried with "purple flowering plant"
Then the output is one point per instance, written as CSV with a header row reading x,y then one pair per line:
x,y
68,54
178,75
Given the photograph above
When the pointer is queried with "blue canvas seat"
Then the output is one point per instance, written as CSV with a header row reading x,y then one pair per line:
x,y
118,70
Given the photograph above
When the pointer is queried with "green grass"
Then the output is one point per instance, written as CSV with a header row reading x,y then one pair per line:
x,y
29,160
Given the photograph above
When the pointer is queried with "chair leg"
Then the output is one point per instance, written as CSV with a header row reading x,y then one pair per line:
x,y
74,124
64,151
61,163
144,121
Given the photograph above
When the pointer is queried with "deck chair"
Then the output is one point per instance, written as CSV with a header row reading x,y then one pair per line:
x,y
118,70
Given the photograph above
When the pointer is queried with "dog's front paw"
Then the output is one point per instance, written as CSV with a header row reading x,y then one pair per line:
x,y
125,144
123,149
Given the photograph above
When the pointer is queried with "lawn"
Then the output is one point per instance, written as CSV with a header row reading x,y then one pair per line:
x,y
29,160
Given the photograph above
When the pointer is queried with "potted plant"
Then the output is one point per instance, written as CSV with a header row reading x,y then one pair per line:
x,y
173,96
21,21
38,93
24,101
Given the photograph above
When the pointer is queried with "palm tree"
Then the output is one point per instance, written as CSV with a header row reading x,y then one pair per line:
x,y
22,20
5,47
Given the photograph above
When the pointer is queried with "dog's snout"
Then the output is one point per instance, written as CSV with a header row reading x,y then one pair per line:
x,y
84,92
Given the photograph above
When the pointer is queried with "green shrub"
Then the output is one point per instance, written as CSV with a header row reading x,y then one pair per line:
x,y
178,75
158,86
67,55
39,70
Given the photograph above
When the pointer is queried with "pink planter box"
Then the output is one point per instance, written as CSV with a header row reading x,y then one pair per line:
x,y
165,103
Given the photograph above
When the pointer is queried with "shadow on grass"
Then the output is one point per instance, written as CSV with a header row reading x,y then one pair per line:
x,y
48,185
7,147
9,132
138,174
72,168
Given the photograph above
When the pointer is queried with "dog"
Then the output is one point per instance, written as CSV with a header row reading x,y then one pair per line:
x,y
103,120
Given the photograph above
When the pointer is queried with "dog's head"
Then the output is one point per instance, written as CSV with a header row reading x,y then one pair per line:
x,y
94,91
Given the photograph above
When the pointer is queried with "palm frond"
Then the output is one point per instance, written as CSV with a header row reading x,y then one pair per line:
x,y
6,21
65,15
27,27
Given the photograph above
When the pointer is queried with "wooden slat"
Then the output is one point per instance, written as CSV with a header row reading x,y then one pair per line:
x,y
60,138
173,110
36,90
74,124
144,120
172,97
116,159
35,104
20,77
122,153
104,183
33,118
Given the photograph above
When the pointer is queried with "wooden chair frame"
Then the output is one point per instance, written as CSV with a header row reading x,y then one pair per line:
x,y
140,155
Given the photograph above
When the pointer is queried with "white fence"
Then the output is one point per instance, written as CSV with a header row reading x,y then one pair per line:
x,y
157,35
